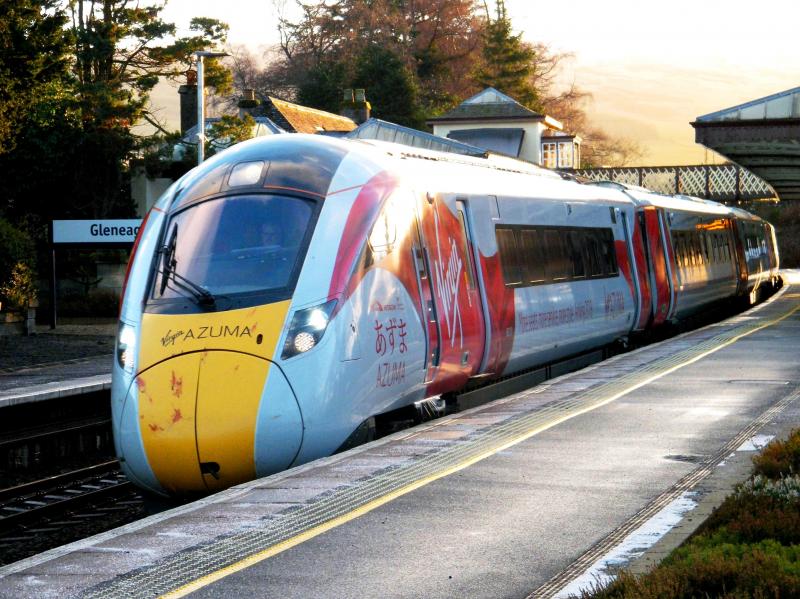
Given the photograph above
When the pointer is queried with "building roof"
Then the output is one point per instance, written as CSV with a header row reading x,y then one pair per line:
x,y
489,104
301,119
560,136
783,105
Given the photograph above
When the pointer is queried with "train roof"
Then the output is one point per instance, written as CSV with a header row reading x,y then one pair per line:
x,y
645,197
504,176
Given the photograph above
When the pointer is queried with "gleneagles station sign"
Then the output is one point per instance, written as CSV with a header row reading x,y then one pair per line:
x,y
88,234
120,232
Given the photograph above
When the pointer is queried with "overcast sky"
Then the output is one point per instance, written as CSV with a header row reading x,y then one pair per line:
x,y
651,67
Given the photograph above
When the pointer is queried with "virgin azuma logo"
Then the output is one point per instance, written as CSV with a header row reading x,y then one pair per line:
x,y
213,332
448,279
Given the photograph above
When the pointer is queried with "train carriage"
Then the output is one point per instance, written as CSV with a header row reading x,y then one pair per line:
x,y
293,287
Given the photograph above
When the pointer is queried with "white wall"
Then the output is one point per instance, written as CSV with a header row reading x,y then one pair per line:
x,y
146,191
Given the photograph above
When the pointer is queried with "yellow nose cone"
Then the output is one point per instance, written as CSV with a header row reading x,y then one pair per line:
x,y
200,388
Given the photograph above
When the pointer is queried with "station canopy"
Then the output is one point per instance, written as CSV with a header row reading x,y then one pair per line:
x,y
762,136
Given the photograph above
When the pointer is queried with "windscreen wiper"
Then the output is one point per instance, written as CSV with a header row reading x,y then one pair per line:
x,y
168,261
202,295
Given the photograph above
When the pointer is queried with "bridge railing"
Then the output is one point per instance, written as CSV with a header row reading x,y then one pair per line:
x,y
720,182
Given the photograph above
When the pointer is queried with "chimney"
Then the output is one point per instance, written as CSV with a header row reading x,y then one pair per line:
x,y
356,108
248,103
188,94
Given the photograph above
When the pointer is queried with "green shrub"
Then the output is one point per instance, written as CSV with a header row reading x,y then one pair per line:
x,y
20,290
760,509
15,247
705,569
779,458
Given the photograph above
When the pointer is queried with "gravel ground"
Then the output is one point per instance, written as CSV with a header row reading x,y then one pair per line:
x,y
66,342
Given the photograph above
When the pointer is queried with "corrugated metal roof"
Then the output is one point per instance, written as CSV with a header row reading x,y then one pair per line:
x,y
385,131
783,105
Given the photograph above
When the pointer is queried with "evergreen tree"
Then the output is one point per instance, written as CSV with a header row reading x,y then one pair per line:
x,y
34,49
390,86
509,64
74,139
323,85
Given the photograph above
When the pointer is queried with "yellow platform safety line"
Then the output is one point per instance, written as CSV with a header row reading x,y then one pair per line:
x,y
376,503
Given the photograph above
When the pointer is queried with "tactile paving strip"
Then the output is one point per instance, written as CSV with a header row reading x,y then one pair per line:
x,y
191,569
553,586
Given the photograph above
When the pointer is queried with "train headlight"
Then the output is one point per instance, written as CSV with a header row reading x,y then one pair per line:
x,y
307,328
126,347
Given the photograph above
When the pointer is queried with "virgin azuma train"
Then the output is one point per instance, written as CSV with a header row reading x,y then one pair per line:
x,y
292,287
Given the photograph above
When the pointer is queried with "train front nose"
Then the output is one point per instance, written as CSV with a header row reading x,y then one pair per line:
x,y
211,419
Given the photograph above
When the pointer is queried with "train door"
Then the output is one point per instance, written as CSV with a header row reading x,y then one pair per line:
x,y
445,241
641,253
657,266
477,311
427,304
671,261
634,274
735,240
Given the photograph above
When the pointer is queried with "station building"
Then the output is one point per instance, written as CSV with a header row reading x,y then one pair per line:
x,y
496,122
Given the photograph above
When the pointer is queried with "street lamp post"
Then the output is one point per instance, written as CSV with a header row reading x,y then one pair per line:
x,y
201,106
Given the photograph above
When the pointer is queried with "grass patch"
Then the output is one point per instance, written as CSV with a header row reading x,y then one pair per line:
x,y
748,548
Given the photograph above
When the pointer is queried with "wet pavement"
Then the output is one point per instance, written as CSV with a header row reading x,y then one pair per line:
x,y
66,342
72,359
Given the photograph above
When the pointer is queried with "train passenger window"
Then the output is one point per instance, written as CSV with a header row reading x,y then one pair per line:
x,y
608,251
383,235
509,255
557,267
701,248
575,243
678,246
533,259
594,256
465,245
701,239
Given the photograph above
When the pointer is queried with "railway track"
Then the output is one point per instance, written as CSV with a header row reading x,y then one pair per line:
x,y
38,515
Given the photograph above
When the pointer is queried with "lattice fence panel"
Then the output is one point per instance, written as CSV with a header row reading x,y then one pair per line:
x,y
722,182
692,181
659,179
625,176
717,182
754,186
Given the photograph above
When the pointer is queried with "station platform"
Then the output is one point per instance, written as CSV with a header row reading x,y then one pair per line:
x,y
54,380
532,495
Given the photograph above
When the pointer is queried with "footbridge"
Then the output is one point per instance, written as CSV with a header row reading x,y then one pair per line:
x,y
761,135
722,183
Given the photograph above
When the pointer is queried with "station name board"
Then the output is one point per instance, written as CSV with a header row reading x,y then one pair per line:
x,y
119,231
